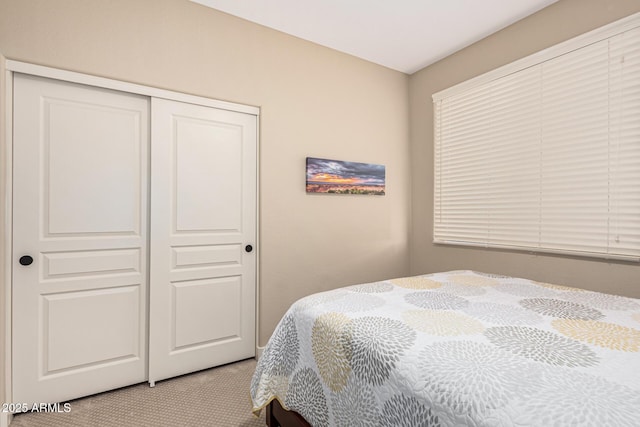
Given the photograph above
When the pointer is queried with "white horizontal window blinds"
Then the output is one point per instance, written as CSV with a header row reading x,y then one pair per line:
x,y
547,157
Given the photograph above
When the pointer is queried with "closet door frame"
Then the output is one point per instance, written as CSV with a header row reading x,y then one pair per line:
x,y
12,67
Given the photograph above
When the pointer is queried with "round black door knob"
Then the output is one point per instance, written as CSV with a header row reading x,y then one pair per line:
x,y
25,260
248,248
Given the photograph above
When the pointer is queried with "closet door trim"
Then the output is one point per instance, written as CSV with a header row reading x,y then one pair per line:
x,y
71,76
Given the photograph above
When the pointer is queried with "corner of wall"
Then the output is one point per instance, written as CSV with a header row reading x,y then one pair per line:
x,y
259,352
5,418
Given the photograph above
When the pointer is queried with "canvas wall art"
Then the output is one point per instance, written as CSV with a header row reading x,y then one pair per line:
x,y
340,177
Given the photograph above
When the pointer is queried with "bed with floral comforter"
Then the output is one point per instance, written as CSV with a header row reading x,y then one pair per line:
x,y
459,348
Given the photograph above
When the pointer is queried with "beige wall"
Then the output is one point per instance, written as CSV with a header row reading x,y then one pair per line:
x,y
554,24
314,102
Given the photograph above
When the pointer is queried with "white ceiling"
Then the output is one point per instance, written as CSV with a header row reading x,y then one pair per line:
x,y
404,35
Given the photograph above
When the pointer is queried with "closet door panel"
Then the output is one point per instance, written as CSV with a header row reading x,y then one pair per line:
x,y
208,157
202,281
78,317
80,212
199,305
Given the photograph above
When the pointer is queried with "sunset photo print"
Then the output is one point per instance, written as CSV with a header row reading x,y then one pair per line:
x,y
339,177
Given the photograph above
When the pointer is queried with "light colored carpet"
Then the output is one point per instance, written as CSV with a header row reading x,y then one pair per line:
x,y
217,397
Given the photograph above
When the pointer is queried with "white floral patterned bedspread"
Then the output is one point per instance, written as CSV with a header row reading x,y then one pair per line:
x,y
459,348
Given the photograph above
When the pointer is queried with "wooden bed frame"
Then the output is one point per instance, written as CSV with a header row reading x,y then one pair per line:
x,y
277,416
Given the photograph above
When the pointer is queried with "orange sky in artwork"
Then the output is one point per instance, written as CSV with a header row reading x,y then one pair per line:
x,y
334,179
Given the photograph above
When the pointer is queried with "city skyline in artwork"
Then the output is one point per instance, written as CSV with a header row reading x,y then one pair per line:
x,y
341,177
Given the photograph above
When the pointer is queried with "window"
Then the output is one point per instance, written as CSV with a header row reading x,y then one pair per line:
x,y
544,153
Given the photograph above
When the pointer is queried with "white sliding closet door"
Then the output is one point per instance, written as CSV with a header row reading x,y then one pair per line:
x,y
80,239
203,271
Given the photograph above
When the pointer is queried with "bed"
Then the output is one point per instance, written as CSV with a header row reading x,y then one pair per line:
x,y
458,348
